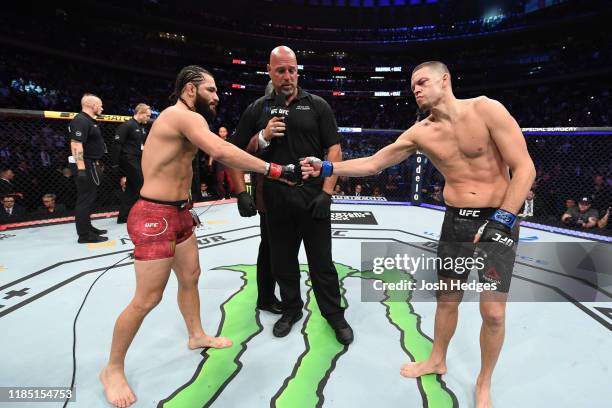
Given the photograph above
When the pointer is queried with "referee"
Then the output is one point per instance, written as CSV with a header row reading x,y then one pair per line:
x,y
291,124
87,147
126,153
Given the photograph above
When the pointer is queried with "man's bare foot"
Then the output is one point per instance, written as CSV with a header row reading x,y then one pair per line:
x,y
204,341
116,387
414,370
483,394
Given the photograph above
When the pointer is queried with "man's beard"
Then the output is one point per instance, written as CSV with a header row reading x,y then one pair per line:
x,y
202,106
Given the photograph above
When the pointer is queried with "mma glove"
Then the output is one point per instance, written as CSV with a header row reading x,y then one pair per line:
x,y
498,228
288,172
320,206
81,174
499,247
325,167
246,205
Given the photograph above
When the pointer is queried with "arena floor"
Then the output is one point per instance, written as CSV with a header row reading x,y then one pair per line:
x,y
556,354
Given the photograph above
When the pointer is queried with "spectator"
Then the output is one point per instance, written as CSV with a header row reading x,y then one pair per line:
x,y
600,193
603,222
528,210
66,189
221,172
358,190
11,212
376,192
50,209
583,217
436,194
338,190
206,195
7,186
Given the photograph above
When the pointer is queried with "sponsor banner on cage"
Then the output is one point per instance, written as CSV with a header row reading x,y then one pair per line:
x,y
541,272
71,115
358,198
353,217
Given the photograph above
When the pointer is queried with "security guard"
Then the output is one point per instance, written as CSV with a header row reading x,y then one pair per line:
x,y
126,153
88,147
291,124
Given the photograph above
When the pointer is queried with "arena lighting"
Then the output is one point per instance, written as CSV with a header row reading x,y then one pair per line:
x,y
236,61
337,93
338,69
238,86
300,66
388,69
377,77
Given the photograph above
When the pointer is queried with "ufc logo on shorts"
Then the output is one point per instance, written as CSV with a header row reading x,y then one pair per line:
x,y
469,213
151,224
503,240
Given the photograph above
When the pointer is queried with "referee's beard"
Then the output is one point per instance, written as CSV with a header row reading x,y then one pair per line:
x,y
204,108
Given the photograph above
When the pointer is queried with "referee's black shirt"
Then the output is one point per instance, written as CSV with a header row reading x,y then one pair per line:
x,y
83,128
128,140
311,128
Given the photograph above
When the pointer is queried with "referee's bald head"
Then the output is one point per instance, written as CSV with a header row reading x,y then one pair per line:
x,y
91,102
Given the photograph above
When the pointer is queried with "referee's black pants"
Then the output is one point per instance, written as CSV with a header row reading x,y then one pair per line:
x,y
87,190
289,223
265,278
130,166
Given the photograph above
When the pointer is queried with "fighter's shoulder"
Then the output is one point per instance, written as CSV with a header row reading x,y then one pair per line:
x,y
483,104
411,135
176,115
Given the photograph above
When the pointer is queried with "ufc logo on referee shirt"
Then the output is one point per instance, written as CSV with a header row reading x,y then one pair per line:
x,y
469,213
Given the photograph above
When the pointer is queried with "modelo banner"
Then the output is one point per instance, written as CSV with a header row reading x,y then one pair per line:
x,y
418,168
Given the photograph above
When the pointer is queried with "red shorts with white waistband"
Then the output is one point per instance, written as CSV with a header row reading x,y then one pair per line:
x,y
156,229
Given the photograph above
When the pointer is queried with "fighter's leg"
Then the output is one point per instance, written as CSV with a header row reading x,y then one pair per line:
x,y
492,332
151,279
448,300
447,315
186,266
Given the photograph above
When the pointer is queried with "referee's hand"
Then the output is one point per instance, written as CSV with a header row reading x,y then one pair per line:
x,y
275,128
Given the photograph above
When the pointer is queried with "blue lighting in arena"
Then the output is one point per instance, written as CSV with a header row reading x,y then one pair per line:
x,y
415,2
368,3
384,3
399,2
355,3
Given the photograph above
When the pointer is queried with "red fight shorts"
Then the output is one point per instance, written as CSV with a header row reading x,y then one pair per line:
x,y
156,228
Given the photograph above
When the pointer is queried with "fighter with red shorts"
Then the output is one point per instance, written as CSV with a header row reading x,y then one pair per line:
x,y
161,225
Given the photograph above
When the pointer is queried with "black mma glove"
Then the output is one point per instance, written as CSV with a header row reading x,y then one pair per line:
x,y
320,206
82,174
495,240
246,205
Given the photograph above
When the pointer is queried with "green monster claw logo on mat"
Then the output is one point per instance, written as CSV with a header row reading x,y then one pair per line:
x,y
305,386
